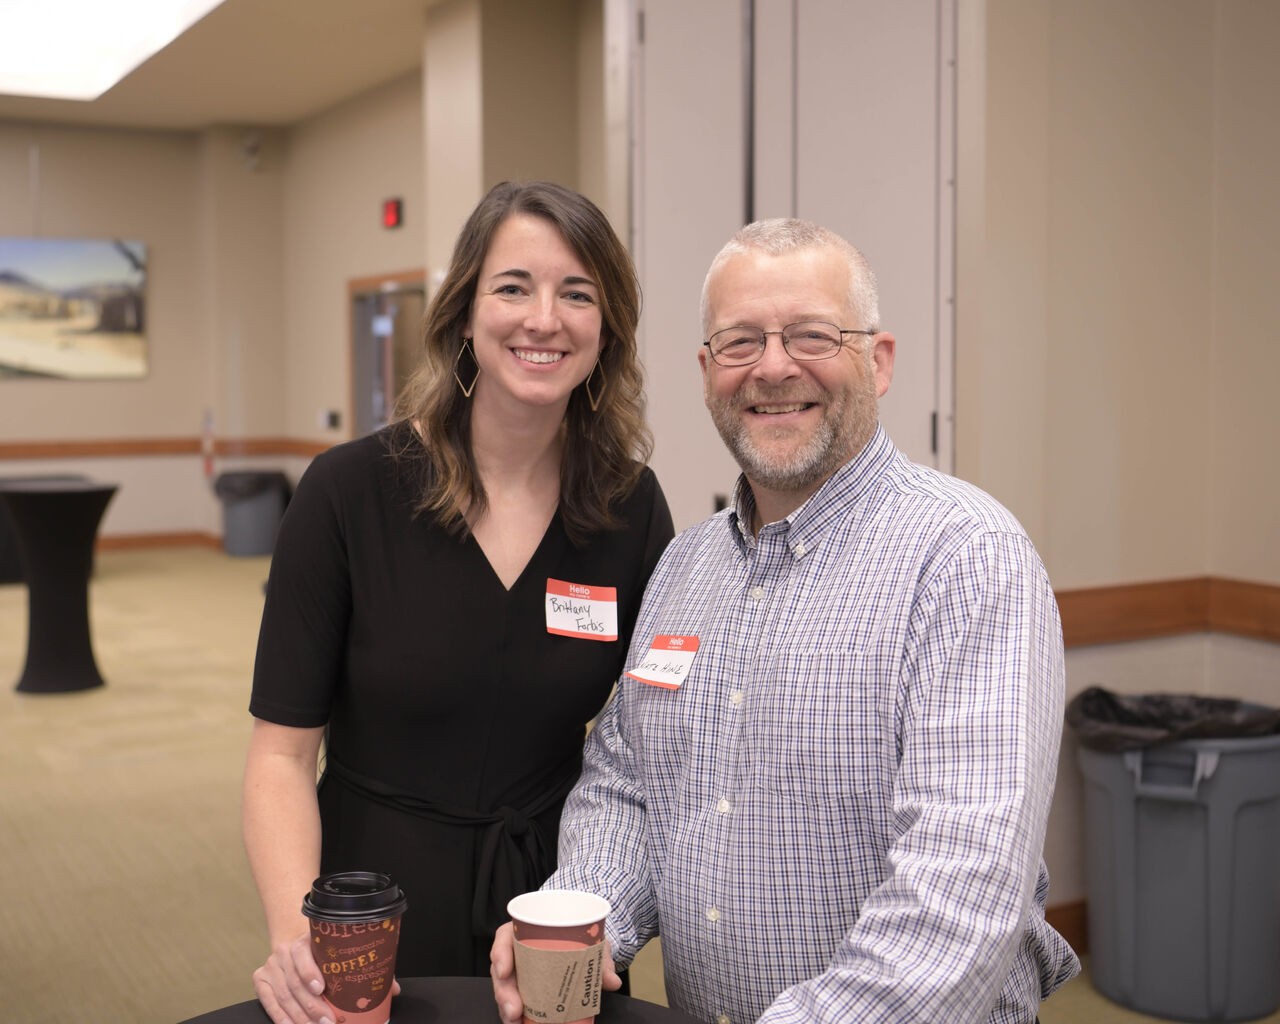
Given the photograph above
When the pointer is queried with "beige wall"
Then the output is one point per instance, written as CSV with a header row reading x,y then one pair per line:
x,y
81,183
248,263
1117,305
76,183
1117,316
1242,369
529,56
339,167
1082,399
591,105
1130,189
241,185
513,91
1117,312
686,205
453,129
1117,308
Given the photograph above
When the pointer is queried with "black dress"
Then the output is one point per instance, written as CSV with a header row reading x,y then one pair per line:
x,y
455,719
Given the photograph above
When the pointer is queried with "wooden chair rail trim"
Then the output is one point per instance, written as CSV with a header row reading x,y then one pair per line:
x,y
100,449
1093,615
271,446
1131,611
1140,611
1244,609
136,541
134,447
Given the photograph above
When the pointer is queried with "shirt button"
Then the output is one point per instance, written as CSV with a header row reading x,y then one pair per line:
x,y
713,914
757,592
723,806
735,698
800,550
722,1019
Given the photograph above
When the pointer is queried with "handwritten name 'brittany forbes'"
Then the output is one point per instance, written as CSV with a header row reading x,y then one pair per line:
x,y
582,612
559,605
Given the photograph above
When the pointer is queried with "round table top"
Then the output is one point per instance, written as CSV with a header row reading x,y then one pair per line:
x,y
461,1001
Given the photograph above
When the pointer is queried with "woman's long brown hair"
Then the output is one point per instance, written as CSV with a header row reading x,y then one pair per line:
x,y
605,448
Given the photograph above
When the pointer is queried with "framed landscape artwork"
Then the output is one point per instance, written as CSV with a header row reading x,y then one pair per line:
x,y
73,309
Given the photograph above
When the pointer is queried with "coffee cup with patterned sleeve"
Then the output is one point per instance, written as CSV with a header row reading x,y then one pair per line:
x,y
355,930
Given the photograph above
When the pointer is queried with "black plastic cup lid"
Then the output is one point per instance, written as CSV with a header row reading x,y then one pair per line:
x,y
354,896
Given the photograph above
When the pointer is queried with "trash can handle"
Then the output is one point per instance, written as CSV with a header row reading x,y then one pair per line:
x,y
1206,765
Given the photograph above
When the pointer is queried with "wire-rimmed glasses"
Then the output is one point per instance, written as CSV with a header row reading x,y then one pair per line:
x,y
806,340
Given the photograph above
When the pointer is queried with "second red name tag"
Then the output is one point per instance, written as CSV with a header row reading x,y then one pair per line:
x,y
668,661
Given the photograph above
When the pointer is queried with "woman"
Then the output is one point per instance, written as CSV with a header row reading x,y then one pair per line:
x,y
425,612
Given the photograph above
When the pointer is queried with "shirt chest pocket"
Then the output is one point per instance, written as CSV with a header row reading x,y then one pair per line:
x,y
818,728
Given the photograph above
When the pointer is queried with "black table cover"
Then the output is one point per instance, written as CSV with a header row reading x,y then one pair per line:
x,y
55,523
461,1001
10,566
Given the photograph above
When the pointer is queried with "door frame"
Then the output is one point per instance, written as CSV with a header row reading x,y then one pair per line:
x,y
394,281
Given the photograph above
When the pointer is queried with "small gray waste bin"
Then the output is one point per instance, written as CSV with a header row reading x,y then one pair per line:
x,y
1182,867
252,505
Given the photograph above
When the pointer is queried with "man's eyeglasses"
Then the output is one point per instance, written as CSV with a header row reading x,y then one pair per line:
x,y
808,340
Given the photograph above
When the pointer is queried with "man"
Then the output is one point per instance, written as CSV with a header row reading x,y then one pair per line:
x,y
833,809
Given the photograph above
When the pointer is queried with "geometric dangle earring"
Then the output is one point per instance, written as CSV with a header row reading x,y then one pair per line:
x,y
594,397
473,369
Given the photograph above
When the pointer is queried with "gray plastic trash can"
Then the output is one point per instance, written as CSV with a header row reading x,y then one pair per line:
x,y
252,505
1182,863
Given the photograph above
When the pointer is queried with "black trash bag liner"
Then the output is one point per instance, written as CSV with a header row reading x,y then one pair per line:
x,y
1114,722
246,483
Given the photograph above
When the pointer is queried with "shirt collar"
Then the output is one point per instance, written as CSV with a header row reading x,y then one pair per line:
x,y
742,511
826,506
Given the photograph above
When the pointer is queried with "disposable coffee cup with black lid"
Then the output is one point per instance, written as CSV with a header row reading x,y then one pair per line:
x,y
355,929
354,896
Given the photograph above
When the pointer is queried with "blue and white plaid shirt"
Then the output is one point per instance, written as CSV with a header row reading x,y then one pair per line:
x,y
839,815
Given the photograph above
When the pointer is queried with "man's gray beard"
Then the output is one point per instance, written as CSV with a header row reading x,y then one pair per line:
x,y
846,427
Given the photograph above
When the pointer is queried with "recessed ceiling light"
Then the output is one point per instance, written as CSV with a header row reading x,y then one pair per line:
x,y
78,49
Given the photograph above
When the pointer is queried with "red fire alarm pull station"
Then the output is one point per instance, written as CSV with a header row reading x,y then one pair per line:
x,y
392,213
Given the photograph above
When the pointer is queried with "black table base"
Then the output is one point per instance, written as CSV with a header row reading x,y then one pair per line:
x,y
55,524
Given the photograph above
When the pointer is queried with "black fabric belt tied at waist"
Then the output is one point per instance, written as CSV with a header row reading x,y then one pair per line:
x,y
513,856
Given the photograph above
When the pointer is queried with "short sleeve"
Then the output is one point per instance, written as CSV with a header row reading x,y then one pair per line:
x,y
307,607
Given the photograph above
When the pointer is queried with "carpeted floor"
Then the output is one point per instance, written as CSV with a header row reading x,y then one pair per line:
x,y
125,896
